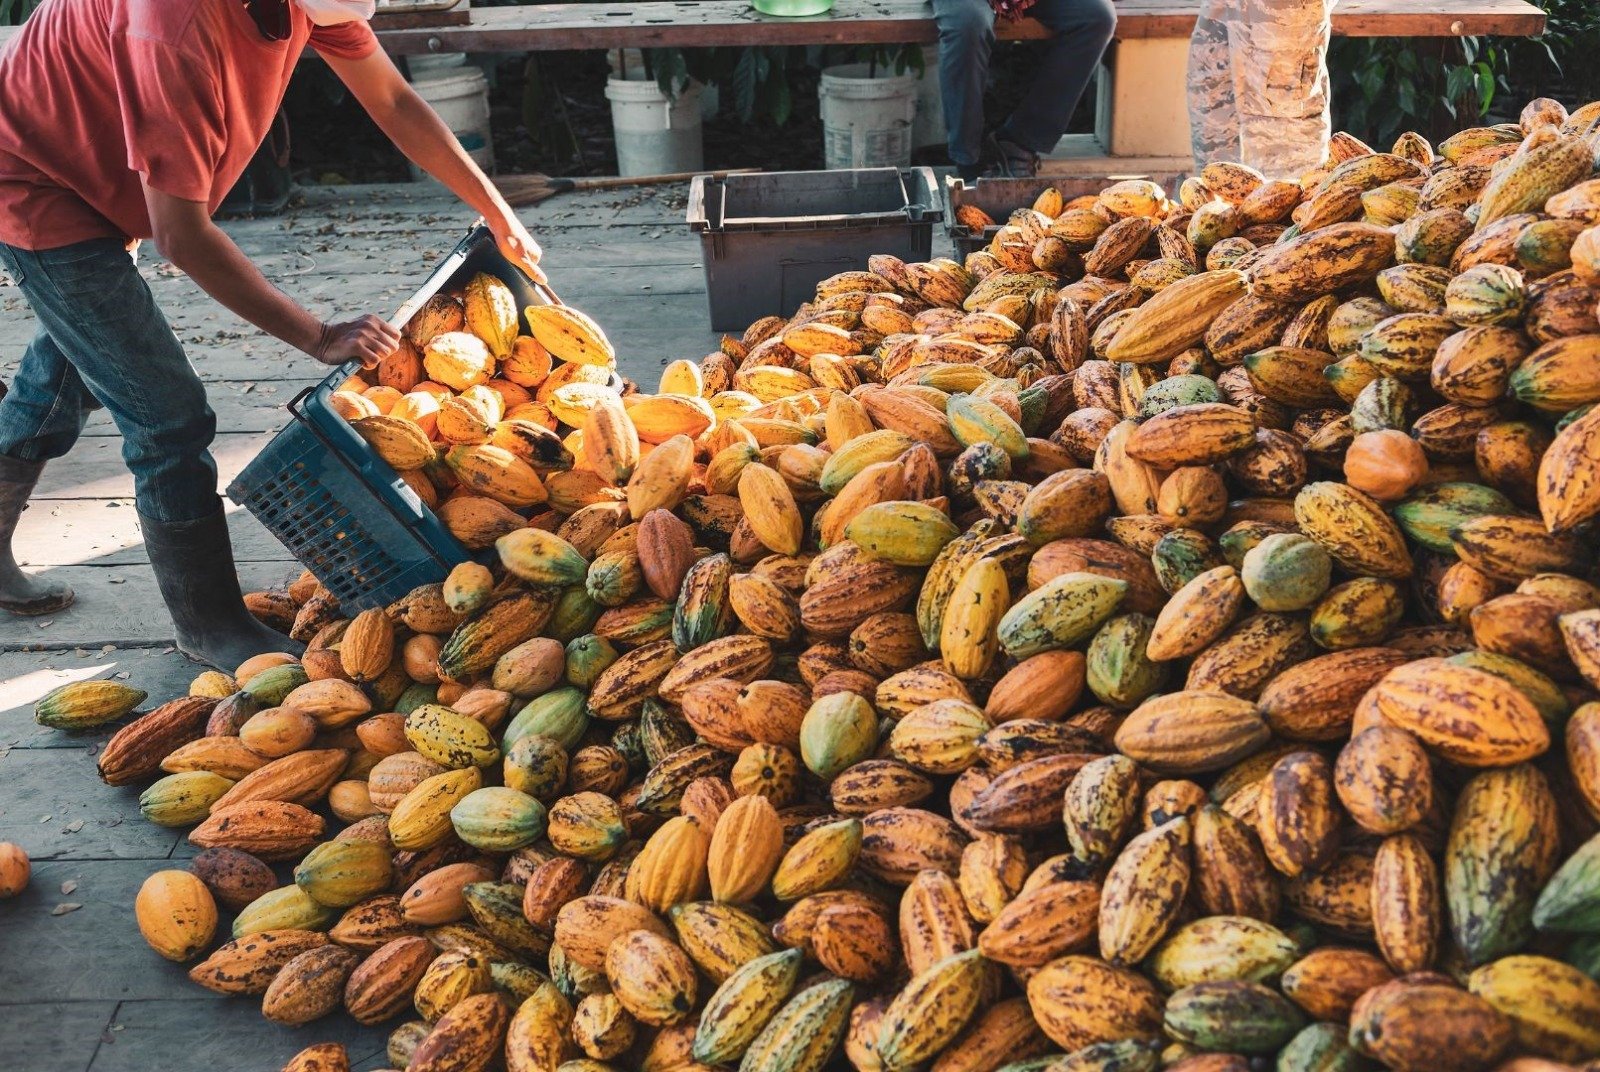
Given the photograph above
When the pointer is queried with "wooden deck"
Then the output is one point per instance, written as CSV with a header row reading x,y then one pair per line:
x,y
79,990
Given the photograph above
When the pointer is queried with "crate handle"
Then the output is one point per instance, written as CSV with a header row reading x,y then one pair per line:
x,y
305,392
928,200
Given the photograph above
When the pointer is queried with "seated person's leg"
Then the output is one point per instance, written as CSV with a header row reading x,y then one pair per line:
x,y
1083,29
966,37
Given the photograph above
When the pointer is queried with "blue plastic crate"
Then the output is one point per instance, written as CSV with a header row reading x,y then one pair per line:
x,y
339,508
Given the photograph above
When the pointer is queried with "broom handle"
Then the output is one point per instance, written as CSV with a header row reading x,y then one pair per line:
x,y
615,182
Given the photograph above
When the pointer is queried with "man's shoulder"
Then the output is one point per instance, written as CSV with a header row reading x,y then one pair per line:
x,y
170,22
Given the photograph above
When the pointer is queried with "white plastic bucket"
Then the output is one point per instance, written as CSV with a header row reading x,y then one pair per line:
x,y
928,129
435,64
866,121
462,101
626,63
655,134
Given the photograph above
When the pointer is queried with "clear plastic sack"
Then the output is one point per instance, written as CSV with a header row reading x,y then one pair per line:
x,y
1258,84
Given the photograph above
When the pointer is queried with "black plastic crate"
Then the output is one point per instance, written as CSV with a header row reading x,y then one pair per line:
x,y
770,238
339,508
1001,197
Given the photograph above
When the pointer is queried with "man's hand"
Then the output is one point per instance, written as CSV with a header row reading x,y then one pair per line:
x,y
516,244
368,339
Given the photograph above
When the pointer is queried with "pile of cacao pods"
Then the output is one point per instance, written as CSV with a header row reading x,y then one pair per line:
x,y
1168,640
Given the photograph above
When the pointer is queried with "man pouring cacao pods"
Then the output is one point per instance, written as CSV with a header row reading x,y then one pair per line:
x,y
131,119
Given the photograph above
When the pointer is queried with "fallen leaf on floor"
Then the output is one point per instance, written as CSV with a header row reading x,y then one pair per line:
x,y
65,907
68,886
74,826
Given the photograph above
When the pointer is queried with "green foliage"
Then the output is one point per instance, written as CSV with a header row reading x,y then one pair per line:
x,y
1560,63
898,58
757,76
1385,86
669,67
1382,86
760,83
544,114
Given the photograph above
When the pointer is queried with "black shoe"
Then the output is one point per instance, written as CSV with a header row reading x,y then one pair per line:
x,y
20,593
969,173
193,563
1012,161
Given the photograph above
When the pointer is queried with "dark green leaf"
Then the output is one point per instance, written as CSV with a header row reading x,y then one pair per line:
x,y
746,76
783,103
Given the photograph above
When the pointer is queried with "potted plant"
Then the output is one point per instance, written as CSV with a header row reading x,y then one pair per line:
x,y
656,109
757,78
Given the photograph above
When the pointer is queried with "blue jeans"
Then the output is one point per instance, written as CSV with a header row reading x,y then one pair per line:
x,y
1082,28
102,339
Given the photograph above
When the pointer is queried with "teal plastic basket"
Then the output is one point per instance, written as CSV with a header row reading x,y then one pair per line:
x,y
339,508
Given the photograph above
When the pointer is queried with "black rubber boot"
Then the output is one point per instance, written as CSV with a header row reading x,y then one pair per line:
x,y
193,563
20,593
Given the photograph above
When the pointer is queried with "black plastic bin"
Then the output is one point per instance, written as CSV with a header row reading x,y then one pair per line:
x,y
769,239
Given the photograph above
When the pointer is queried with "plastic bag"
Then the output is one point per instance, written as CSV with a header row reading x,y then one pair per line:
x,y
1258,84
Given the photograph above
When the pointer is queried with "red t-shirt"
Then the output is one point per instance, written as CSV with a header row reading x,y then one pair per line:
x,y
99,92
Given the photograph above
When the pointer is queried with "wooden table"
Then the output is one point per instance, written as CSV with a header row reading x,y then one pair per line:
x,y
692,23
1142,125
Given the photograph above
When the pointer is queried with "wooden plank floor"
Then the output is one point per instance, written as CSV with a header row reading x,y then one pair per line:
x,y
79,990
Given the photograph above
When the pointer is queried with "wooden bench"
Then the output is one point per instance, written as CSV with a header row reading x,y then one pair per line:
x,y
1142,123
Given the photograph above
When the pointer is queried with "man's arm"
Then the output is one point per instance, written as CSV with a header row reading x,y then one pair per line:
x,y
419,133
201,250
